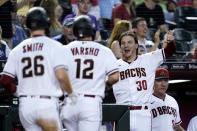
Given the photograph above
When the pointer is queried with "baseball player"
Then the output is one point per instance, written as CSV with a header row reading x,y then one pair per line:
x,y
164,108
37,64
91,66
136,80
192,126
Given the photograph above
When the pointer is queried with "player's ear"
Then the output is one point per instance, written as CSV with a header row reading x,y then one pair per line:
x,y
134,30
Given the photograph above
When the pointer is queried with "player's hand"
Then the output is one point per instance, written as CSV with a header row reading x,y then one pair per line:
x,y
169,37
73,98
157,36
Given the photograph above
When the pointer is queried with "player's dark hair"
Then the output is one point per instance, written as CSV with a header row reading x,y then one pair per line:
x,y
136,21
129,33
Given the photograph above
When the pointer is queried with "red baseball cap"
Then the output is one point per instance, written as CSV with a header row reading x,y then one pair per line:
x,y
161,73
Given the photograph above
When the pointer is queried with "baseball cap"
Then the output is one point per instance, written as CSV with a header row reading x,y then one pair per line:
x,y
161,73
68,21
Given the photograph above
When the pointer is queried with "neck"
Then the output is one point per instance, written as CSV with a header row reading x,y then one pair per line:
x,y
89,38
159,95
140,38
131,58
37,33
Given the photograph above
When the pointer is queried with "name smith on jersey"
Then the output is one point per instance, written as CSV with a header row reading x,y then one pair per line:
x,y
136,72
85,51
32,47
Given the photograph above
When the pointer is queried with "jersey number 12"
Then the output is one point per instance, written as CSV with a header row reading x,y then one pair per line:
x,y
86,71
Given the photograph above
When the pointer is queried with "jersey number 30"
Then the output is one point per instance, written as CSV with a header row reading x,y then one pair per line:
x,y
142,85
32,66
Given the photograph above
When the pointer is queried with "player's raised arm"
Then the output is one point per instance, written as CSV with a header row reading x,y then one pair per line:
x,y
169,44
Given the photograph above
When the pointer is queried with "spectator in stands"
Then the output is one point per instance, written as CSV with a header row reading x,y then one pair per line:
x,y
140,27
18,35
83,8
184,2
67,34
4,49
169,13
124,11
66,7
192,126
7,8
24,5
153,13
106,7
94,8
120,27
59,12
50,6
194,4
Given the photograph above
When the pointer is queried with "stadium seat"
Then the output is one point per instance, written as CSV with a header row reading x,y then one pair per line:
x,y
183,39
186,17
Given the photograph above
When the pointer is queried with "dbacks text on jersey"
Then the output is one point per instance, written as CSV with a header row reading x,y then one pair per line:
x,y
163,110
136,72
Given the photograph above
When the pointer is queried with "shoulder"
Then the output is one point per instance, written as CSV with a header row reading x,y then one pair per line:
x,y
57,37
194,119
118,7
70,16
149,42
3,42
170,98
142,5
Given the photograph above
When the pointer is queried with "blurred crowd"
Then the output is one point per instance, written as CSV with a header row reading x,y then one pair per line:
x,y
149,19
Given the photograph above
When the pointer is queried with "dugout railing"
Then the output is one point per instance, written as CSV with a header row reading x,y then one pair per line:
x,y
119,114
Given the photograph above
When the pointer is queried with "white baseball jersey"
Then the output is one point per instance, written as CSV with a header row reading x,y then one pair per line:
x,y
89,65
165,113
192,126
33,62
136,81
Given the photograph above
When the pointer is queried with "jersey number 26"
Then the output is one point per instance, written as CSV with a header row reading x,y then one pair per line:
x,y
32,66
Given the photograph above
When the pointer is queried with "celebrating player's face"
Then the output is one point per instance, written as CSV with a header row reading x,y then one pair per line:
x,y
128,47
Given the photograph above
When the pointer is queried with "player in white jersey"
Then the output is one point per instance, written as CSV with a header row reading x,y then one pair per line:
x,y
192,126
38,65
91,66
164,108
137,75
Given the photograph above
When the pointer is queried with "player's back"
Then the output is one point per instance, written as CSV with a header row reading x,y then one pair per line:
x,y
35,60
89,65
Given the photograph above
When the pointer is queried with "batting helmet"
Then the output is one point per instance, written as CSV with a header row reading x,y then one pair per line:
x,y
82,27
37,19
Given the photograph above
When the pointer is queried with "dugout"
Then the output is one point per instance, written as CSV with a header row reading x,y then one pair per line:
x,y
111,112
